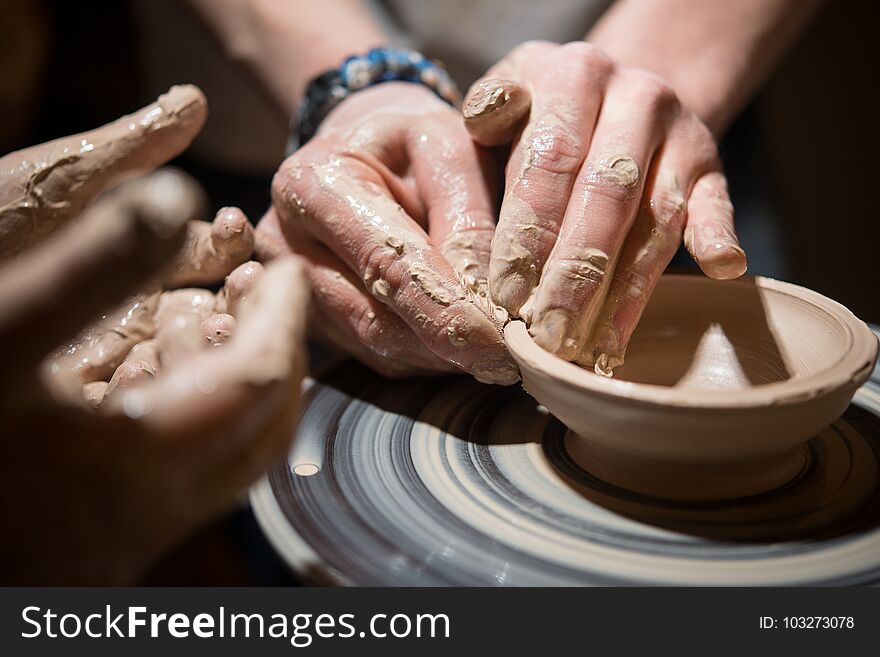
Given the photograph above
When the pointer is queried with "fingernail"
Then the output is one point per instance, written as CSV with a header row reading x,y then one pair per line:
x,y
484,97
718,252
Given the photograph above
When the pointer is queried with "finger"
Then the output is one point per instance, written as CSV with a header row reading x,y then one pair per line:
x,y
146,351
494,110
213,250
343,314
347,207
179,318
217,329
96,352
365,326
453,179
224,399
50,295
710,235
649,247
44,186
238,286
130,374
602,208
93,393
542,169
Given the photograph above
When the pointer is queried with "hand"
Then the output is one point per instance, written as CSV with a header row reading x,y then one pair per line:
x,y
606,172
100,477
390,207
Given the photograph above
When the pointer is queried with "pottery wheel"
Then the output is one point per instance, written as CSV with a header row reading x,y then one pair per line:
x,y
450,482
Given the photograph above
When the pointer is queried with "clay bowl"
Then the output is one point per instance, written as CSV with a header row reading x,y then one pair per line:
x,y
723,385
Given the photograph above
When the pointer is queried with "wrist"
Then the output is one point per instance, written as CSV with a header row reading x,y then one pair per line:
x,y
357,73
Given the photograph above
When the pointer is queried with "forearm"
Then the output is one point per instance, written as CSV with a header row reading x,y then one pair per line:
x,y
715,54
286,43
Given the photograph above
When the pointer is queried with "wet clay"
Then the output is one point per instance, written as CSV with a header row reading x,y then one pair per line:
x,y
493,108
408,271
179,323
96,352
213,250
44,186
723,383
237,287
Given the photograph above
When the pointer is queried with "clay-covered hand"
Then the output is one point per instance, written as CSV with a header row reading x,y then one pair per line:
x,y
97,480
606,173
44,186
390,207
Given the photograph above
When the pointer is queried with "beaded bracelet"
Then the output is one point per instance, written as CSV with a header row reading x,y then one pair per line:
x,y
357,72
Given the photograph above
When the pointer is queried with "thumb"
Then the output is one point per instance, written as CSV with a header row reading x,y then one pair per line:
x,y
494,109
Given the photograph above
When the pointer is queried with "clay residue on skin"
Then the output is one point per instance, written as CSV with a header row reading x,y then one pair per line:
x,y
468,252
407,269
432,285
620,170
44,186
237,287
381,290
395,243
556,326
583,265
658,225
496,372
96,352
484,97
212,251
513,272
554,331
178,322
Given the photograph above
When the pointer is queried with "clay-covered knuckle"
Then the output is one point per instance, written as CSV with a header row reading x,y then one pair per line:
x,y
554,149
616,179
584,270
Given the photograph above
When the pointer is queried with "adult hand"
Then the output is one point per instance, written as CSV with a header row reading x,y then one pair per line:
x,y
391,208
95,495
607,170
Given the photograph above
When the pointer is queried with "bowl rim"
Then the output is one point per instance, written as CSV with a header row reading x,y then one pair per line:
x,y
853,368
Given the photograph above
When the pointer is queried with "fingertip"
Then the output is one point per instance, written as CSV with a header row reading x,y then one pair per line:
x,y
493,110
723,261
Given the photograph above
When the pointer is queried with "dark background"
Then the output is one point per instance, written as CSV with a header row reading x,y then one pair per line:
x,y
801,160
